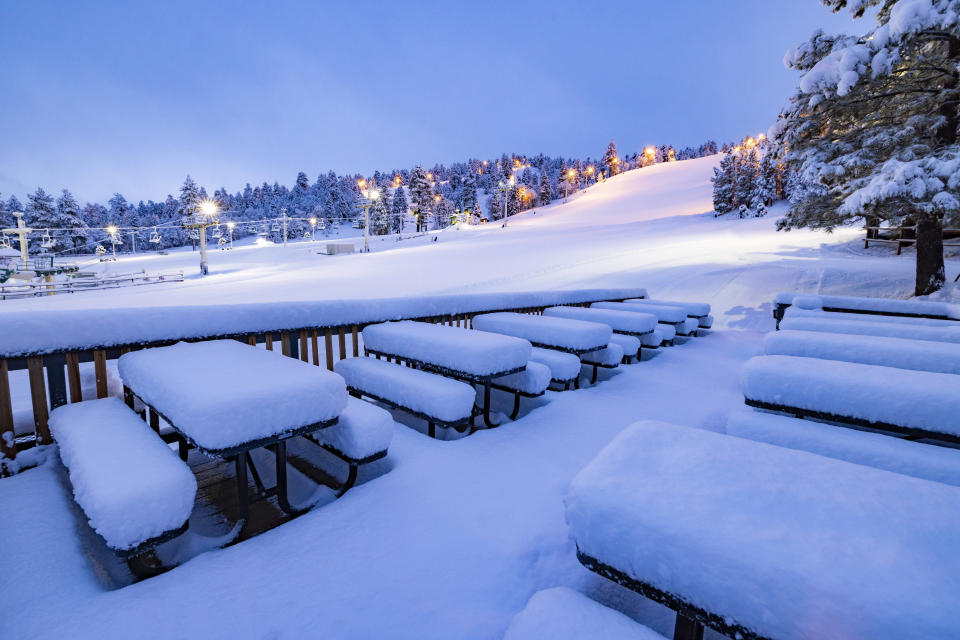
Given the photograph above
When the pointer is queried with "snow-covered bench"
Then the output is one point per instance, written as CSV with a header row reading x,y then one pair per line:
x,y
940,464
631,346
921,355
532,382
609,357
675,317
625,322
226,398
918,404
698,310
564,367
561,334
132,487
868,326
464,354
856,305
440,401
361,435
561,613
755,540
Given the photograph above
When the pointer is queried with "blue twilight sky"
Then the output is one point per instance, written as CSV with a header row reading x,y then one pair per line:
x,y
131,96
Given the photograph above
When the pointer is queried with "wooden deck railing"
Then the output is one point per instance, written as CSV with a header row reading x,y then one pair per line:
x,y
905,236
56,343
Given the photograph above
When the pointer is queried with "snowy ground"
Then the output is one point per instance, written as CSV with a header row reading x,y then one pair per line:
x,y
452,538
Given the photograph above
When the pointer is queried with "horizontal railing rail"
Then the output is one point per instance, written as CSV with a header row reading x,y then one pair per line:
x,y
51,344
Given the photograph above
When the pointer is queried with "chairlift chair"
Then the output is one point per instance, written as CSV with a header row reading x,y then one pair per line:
x,y
307,236
46,241
5,243
154,237
275,228
217,233
100,250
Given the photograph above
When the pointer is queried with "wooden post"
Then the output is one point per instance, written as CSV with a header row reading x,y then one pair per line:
x,y
268,338
7,448
304,355
285,343
73,376
56,383
343,342
100,372
356,341
38,393
251,340
316,347
328,346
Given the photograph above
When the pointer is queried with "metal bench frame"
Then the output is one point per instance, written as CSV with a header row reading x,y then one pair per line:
x,y
353,463
460,426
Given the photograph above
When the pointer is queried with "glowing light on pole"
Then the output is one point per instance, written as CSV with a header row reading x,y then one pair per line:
x,y
230,226
505,187
313,228
112,230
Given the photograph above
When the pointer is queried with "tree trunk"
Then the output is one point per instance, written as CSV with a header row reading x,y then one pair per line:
x,y
930,270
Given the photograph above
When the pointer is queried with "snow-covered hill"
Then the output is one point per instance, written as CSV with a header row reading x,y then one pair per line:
x,y
652,227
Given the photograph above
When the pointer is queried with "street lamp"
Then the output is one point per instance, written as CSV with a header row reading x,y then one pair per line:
x,y
571,174
230,226
112,230
313,228
369,197
589,173
505,187
208,210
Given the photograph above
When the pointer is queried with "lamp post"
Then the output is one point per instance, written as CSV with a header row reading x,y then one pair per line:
x,y
313,229
22,231
505,187
369,197
284,213
230,226
200,222
589,173
571,174
112,230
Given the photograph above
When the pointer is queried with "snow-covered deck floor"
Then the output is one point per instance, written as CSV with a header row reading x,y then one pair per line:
x,y
450,543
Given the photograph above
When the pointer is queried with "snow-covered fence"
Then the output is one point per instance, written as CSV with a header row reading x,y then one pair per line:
x,y
10,291
50,345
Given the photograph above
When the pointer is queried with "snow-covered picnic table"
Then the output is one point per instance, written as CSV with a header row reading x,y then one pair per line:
x,y
626,322
560,334
766,541
227,398
463,354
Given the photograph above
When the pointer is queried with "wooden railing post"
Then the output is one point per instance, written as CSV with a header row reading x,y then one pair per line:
x,y
285,343
315,347
7,447
100,371
38,394
73,376
356,341
328,347
304,355
342,335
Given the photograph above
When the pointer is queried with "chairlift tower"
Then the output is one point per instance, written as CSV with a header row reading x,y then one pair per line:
x,y
22,231
369,196
200,221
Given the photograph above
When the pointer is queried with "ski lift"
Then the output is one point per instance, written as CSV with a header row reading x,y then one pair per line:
x,y
321,224
357,224
307,236
154,237
100,250
46,241
194,235
263,232
217,233
5,243
276,227
221,241
114,239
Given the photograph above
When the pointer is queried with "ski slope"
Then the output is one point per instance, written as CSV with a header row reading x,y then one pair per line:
x,y
652,227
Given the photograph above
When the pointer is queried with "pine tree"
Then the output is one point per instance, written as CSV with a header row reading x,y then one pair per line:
x,y
747,167
766,187
190,197
41,214
6,216
723,178
611,160
421,196
444,211
398,210
68,217
875,121
545,193
380,215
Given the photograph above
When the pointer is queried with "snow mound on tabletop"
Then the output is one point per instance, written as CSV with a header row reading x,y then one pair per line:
x,y
831,324
222,393
420,391
467,350
662,312
556,332
902,397
533,380
563,614
929,462
920,355
620,321
362,430
130,484
563,366
629,344
790,533
800,312
889,305
694,309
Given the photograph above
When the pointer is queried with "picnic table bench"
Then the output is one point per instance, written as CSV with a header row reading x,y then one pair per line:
x,y
226,399
697,310
916,404
131,486
477,357
930,309
672,316
895,327
759,541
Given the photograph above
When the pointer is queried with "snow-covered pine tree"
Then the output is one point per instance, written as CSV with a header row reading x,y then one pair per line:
x,y
68,217
398,210
421,196
189,197
444,210
495,205
747,168
545,192
723,177
767,178
611,161
41,214
380,214
875,121
6,217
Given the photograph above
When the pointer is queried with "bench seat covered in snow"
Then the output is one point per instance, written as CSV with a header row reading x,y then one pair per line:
x,y
674,317
767,542
463,353
698,310
532,382
564,367
921,355
563,334
914,403
873,306
224,396
630,345
132,487
862,325
440,401
609,357
561,613
940,464
626,322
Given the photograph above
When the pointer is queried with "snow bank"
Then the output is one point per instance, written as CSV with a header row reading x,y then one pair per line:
x,y
921,355
46,331
533,380
362,430
427,393
693,309
619,321
789,544
629,344
130,484
221,393
886,305
546,330
663,313
918,399
477,353
929,462
609,356
563,614
823,322
563,366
